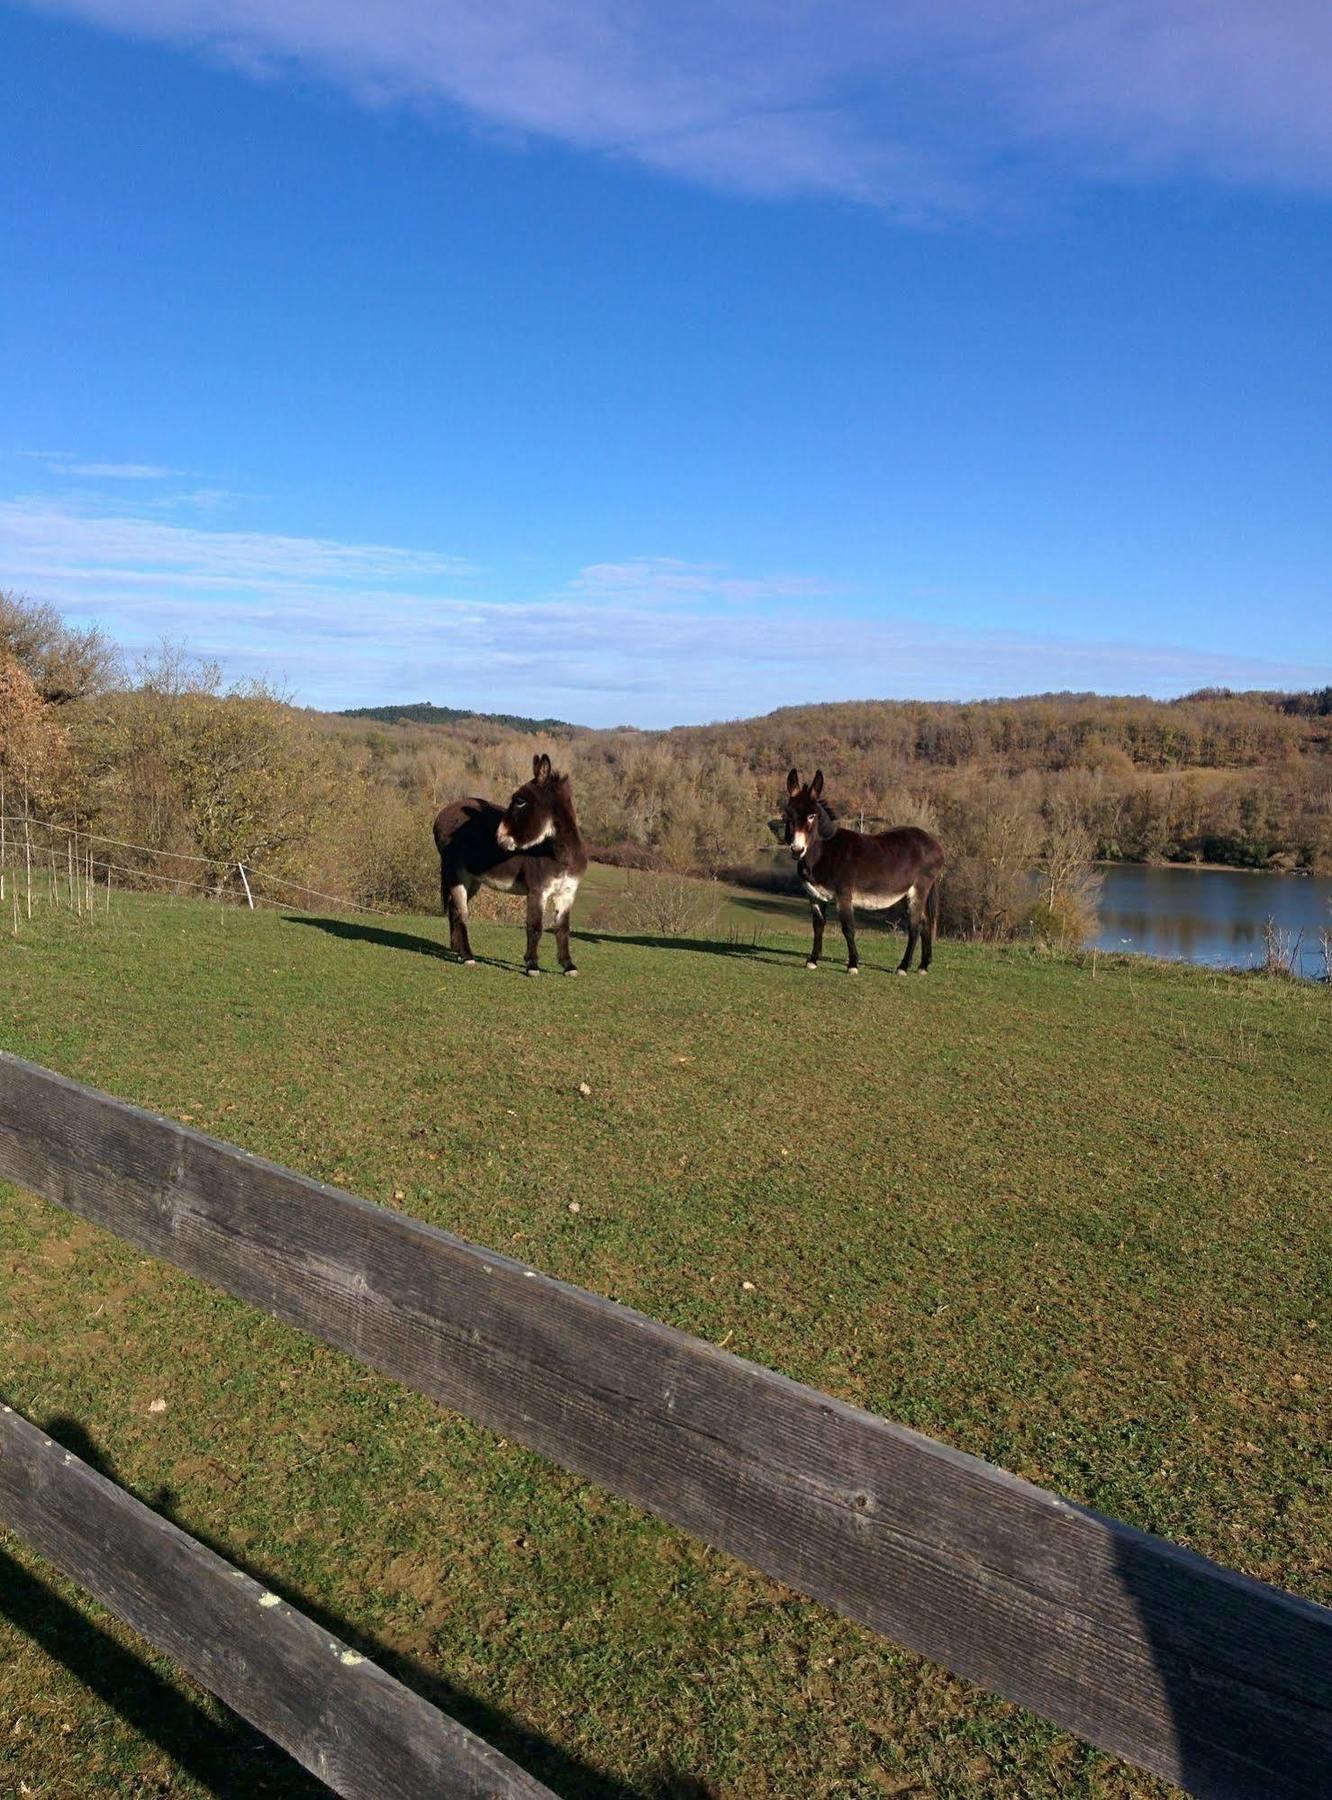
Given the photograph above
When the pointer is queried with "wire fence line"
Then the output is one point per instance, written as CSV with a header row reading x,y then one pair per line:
x,y
17,829
93,837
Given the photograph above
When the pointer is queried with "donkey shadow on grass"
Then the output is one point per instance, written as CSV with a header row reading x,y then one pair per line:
x,y
748,947
227,1757
412,941
352,930
751,948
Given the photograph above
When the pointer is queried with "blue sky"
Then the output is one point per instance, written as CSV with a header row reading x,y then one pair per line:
x,y
654,363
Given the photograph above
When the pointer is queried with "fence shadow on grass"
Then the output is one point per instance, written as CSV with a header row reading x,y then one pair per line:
x,y
224,1755
229,1758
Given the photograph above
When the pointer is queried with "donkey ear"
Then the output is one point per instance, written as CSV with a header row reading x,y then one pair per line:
x,y
536,768
793,782
543,768
816,786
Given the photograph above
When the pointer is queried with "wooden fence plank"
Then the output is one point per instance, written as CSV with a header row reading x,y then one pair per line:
x,y
1143,1648
361,1732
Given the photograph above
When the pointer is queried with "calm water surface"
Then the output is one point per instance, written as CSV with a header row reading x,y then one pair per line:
x,y
1213,916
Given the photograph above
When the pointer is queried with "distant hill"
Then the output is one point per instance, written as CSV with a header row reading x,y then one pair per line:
x,y
425,712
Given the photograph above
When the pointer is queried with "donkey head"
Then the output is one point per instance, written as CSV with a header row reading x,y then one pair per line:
x,y
532,814
806,815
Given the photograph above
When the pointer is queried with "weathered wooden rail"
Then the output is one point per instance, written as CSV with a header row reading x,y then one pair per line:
x,y
361,1732
1180,1666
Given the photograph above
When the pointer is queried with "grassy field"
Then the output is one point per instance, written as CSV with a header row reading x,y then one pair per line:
x,y
1076,1223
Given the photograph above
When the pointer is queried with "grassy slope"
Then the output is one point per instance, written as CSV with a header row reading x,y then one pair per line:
x,y
1077,1226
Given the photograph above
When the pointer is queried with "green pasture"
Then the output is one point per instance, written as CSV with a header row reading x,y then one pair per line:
x,y
1071,1217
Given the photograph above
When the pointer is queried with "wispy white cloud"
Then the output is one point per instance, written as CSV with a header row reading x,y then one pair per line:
x,y
42,540
197,500
924,108
68,467
345,624
95,471
63,462
650,579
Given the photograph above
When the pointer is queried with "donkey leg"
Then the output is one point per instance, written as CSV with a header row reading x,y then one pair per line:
x,y
819,913
913,931
536,908
929,921
455,904
846,912
562,948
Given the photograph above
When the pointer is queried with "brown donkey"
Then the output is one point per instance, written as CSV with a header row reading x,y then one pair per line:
x,y
860,868
531,846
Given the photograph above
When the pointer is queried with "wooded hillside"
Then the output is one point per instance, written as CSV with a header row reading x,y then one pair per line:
x,y
1028,794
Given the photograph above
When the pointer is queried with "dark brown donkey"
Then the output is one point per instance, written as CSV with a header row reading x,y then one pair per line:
x,y
531,846
861,868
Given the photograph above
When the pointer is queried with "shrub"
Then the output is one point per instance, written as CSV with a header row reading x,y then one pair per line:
x,y
670,904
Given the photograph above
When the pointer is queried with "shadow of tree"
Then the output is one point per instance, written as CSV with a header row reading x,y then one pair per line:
x,y
1244,1679
228,1757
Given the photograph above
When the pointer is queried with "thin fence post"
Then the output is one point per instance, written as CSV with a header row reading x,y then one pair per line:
x,y
245,878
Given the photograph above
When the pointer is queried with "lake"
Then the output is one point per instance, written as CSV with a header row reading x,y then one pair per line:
x,y
1212,916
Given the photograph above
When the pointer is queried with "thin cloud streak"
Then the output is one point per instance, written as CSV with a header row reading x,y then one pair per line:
x,y
350,624
64,462
39,536
115,471
930,111
667,579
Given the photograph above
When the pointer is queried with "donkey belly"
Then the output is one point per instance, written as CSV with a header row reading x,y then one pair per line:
x,y
505,880
881,902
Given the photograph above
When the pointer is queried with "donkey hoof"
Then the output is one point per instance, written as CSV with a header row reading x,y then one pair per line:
x,y
902,971
531,971
853,968
811,965
469,962
571,970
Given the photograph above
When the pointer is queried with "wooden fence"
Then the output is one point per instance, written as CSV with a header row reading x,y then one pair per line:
x,y
359,1730
1145,1649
